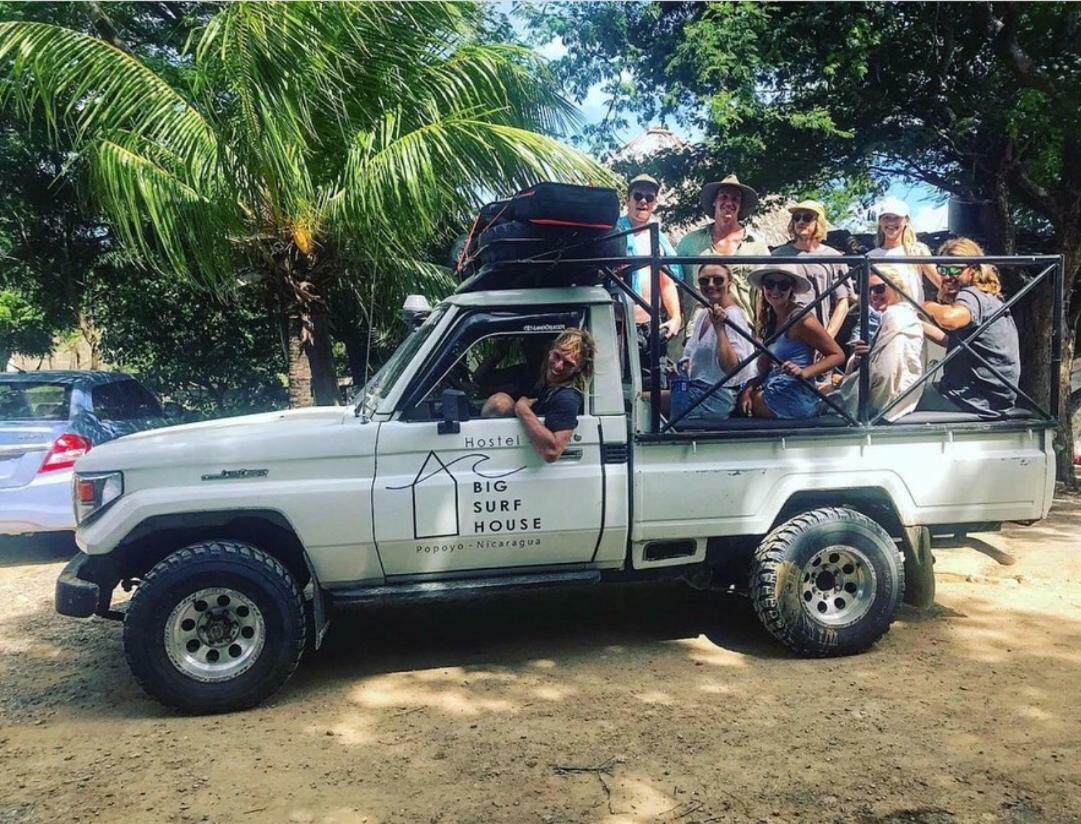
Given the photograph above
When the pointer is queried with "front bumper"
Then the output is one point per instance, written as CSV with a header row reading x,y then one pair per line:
x,y
80,590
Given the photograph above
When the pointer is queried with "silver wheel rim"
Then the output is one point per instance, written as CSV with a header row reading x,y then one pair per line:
x,y
214,634
838,586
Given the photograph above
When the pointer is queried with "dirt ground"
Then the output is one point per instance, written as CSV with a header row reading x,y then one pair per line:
x,y
617,705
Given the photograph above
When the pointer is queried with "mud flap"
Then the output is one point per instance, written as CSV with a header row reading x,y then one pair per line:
x,y
919,567
320,619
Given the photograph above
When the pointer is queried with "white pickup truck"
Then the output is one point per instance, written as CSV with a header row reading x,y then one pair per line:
x,y
239,535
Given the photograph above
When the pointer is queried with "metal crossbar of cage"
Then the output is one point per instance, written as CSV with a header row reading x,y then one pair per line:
x,y
858,267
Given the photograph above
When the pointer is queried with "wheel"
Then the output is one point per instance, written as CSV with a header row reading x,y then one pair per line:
x,y
827,582
215,627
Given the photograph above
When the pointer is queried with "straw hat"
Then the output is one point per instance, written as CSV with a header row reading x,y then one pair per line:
x,y
801,283
709,194
810,206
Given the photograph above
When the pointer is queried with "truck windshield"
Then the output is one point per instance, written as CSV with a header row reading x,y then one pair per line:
x,y
368,398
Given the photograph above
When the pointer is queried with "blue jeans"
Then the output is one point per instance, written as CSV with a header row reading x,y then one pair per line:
x,y
717,406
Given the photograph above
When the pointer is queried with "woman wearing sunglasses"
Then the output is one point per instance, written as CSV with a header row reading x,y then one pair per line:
x,y
779,391
895,350
967,385
714,348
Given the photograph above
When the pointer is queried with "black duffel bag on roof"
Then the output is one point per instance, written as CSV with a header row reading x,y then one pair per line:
x,y
567,205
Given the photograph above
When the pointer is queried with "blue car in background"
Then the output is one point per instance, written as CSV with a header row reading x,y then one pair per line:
x,y
47,421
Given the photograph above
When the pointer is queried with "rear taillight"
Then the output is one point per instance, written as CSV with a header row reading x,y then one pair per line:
x,y
64,452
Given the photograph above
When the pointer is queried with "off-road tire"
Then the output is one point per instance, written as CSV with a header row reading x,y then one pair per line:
x,y
260,580
785,590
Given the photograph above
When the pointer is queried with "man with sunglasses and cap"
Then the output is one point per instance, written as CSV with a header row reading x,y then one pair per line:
x,y
641,204
728,202
807,230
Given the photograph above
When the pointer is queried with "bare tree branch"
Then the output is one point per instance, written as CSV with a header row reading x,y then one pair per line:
x,y
1003,31
104,26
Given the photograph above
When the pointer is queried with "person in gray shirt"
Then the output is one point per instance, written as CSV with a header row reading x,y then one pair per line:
x,y
972,293
807,228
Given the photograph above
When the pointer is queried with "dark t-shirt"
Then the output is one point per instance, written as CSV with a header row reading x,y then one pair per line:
x,y
965,380
560,407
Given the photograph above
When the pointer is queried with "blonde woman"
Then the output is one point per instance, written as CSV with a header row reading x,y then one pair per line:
x,y
895,351
807,229
969,295
558,396
896,238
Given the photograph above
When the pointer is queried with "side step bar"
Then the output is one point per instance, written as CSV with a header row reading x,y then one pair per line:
x,y
460,588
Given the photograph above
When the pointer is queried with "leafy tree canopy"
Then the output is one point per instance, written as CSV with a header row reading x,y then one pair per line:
x,y
296,142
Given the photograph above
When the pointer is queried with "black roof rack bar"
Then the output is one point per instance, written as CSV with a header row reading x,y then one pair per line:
x,y
614,279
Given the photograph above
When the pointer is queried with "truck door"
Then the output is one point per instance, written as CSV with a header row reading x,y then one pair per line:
x,y
480,498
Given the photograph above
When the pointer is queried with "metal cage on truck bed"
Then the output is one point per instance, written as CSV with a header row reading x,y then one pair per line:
x,y
1047,275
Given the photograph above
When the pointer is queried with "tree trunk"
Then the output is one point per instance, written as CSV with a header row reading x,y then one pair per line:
x,y
1064,446
321,359
300,370
1064,437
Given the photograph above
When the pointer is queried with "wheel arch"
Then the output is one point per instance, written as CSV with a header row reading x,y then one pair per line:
x,y
873,501
158,536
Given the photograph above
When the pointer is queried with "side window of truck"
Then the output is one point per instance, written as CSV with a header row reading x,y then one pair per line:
x,y
485,353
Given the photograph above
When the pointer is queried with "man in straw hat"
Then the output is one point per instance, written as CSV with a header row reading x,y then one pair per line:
x,y
728,202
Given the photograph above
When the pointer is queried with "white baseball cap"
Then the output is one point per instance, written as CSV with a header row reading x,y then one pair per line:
x,y
891,206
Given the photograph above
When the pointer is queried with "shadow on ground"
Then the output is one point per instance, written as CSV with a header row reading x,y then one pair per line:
x,y
45,548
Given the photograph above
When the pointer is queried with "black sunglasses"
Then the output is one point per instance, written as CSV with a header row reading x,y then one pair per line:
x,y
648,197
782,285
877,289
804,217
950,271
716,280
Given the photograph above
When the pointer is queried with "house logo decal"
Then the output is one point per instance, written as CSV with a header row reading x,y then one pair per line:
x,y
435,493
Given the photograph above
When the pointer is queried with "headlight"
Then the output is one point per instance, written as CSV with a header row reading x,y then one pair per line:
x,y
94,492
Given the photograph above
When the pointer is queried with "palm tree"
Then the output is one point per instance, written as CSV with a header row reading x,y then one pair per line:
x,y
297,144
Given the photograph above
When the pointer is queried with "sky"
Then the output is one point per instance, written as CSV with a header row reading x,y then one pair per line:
x,y
927,204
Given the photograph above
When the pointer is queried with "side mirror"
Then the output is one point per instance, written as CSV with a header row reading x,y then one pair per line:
x,y
455,410
172,411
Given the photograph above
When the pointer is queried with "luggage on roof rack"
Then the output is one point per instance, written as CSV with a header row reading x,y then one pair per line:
x,y
543,223
564,204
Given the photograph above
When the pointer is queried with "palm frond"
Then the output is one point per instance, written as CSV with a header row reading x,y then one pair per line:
x,y
87,87
157,213
399,187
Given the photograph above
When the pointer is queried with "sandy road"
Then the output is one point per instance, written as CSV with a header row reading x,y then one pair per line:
x,y
621,705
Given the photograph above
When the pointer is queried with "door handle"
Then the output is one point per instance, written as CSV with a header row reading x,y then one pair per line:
x,y
570,455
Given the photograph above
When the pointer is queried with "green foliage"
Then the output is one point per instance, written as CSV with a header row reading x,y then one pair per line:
x,y
297,142
213,357
801,97
22,327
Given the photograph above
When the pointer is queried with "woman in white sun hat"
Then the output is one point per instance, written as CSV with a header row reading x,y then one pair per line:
x,y
896,238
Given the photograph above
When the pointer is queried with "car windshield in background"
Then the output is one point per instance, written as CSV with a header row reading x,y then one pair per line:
x,y
34,401
387,376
